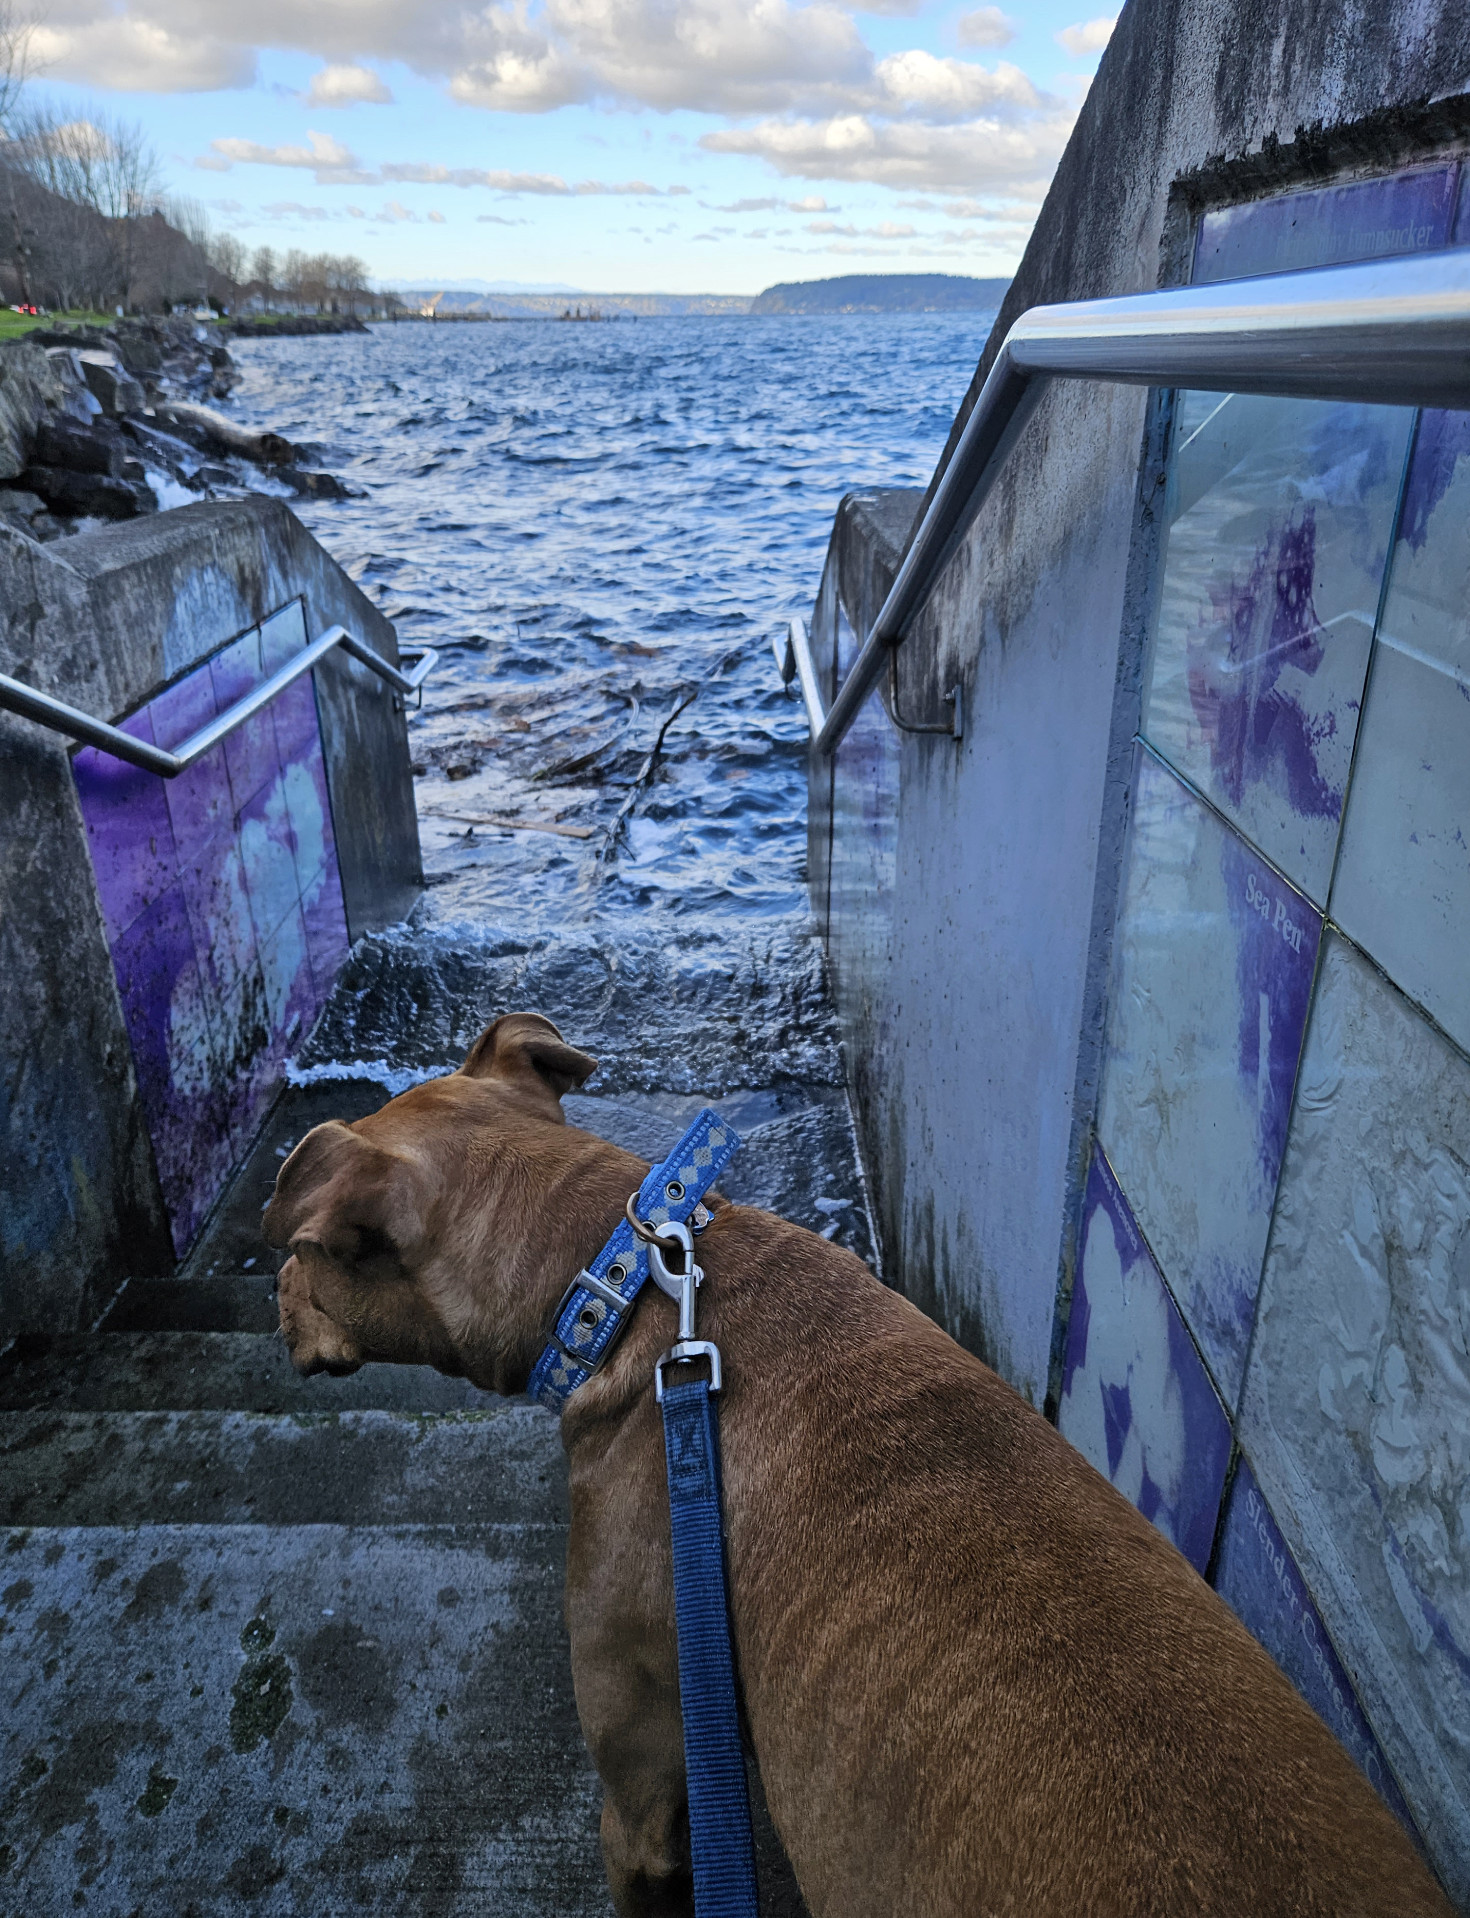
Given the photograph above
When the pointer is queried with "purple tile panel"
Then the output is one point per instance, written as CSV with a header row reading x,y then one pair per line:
x,y
224,918
1460,235
198,801
1136,1398
326,929
250,751
266,847
1214,959
166,1007
128,828
213,880
1258,1578
1327,226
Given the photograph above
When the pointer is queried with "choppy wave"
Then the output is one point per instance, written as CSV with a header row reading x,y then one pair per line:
x,y
604,525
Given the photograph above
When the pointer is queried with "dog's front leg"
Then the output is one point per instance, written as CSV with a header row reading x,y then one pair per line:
x,y
625,1667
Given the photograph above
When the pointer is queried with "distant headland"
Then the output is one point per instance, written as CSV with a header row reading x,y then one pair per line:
x,y
884,293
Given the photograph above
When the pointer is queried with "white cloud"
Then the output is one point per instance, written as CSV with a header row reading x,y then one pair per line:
x,y
331,162
1089,36
347,86
794,80
985,155
131,53
985,27
813,203
888,230
946,91
294,210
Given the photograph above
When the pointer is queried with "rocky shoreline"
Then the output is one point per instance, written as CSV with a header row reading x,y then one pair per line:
x,y
109,423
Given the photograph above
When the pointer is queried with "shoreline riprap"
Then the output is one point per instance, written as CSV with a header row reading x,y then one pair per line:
x,y
111,423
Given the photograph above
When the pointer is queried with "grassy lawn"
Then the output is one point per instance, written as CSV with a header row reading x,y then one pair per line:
x,y
12,325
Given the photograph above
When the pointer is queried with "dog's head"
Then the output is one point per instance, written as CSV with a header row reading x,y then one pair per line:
x,y
405,1229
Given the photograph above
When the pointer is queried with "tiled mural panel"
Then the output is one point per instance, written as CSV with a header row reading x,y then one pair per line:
x,y
1212,973
1403,883
1136,1399
1365,220
1356,1410
1281,513
1258,1578
223,907
1345,1542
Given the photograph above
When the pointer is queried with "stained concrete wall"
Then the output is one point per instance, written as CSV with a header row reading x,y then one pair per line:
x,y
1153,987
105,621
1006,849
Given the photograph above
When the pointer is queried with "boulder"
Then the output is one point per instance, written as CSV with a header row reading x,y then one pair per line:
x,y
78,449
97,495
315,485
29,386
115,391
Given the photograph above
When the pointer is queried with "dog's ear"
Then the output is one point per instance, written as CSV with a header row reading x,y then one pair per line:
x,y
527,1052
341,1192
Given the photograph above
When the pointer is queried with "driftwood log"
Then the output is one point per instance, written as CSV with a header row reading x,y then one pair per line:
x,y
205,427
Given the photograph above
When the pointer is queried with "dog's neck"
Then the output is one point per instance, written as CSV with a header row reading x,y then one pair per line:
x,y
581,1191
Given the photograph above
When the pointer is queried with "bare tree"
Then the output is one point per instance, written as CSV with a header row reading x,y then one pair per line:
x,y
101,165
16,31
263,268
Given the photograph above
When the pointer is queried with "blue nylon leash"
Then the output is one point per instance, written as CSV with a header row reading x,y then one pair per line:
x,y
594,1309
714,1763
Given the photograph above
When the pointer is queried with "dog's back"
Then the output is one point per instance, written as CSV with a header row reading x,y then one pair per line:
x,y
978,1680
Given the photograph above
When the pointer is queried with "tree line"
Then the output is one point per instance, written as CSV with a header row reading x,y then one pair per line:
x,y
85,222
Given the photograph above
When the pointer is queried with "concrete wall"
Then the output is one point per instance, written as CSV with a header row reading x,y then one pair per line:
x,y
108,621
1153,987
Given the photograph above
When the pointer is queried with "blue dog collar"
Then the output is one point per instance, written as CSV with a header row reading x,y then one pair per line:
x,y
599,1301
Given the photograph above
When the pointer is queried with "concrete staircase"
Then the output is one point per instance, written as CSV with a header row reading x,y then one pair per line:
x,y
282,1646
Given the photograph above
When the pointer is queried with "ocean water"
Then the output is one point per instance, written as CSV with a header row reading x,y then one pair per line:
x,y
602,526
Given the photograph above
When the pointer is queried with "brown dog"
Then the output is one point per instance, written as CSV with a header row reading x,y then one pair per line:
x,y
977,1680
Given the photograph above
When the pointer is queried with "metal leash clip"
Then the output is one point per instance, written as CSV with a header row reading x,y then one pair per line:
x,y
681,1286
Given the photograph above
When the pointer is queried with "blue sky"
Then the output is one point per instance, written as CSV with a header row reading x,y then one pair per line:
x,y
614,145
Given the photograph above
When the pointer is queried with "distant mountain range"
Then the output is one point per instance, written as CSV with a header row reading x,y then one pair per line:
x,y
852,293
884,293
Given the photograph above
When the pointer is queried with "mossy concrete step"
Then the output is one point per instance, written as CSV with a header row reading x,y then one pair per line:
x,y
283,1719
503,1466
211,1371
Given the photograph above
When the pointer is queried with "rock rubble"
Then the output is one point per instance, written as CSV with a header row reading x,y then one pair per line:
x,y
109,423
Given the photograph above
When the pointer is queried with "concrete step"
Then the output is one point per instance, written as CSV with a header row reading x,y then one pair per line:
x,y
211,1371
499,1467
292,1719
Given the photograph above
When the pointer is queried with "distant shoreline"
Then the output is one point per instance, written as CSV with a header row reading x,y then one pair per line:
x,y
875,294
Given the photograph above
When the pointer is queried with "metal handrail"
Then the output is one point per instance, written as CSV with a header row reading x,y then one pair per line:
x,y
55,713
1385,332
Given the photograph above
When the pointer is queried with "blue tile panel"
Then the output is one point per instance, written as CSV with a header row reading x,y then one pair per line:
x,y
1356,1409
1326,226
1212,971
1258,1578
1280,521
1403,883
1136,1400
1291,1131
223,906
